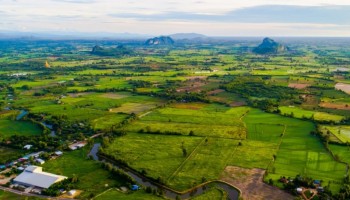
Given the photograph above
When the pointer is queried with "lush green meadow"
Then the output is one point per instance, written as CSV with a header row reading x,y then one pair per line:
x,y
8,154
9,127
318,116
92,179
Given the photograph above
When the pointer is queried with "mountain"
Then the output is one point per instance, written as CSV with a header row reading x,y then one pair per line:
x,y
162,40
117,51
269,46
182,36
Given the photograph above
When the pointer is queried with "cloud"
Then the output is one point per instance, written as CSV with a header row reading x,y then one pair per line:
x,y
257,14
76,1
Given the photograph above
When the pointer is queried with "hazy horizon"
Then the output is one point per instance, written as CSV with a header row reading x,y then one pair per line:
x,y
256,18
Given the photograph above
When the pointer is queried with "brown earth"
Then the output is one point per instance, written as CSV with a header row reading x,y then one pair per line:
x,y
250,182
298,85
191,106
79,94
217,91
343,86
114,96
341,106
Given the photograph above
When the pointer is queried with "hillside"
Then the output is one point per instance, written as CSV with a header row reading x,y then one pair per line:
x,y
117,51
162,40
269,46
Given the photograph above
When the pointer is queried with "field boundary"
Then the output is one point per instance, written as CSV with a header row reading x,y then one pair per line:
x,y
183,163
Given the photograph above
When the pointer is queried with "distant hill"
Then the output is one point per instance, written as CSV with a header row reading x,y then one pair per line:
x,y
182,36
118,51
269,46
162,40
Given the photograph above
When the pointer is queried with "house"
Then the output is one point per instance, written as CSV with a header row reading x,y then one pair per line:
x,y
317,182
40,161
20,168
72,192
135,187
33,176
58,153
28,146
299,190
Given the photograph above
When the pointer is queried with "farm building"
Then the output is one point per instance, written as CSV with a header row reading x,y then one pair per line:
x,y
40,161
34,176
58,153
28,146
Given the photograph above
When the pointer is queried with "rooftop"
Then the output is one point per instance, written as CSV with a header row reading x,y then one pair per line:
x,y
33,175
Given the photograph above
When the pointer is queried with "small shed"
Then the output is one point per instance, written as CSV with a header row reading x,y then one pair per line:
x,y
28,146
317,182
72,192
58,153
135,187
20,168
299,190
40,161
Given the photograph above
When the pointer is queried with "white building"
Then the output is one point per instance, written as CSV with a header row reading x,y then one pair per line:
x,y
34,176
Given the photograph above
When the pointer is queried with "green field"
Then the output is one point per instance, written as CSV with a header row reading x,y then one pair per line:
x,y
339,134
8,154
92,178
10,196
10,127
223,121
318,116
115,194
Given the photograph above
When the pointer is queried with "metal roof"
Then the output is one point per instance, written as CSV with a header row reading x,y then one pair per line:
x,y
34,176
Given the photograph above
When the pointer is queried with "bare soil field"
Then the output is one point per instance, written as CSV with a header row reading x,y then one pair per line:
x,y
250,182
217,91
114,96
191,106
343,87
133,108
334,106
79,94
298,85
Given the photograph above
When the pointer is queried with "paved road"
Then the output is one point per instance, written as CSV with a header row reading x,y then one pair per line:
x,y
30,195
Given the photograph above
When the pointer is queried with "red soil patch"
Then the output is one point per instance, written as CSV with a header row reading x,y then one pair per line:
x,y
195,77
191,106
335,106
238,103
250,182
298,85
214,92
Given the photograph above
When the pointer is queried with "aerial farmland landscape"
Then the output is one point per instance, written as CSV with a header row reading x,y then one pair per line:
x,y
163,112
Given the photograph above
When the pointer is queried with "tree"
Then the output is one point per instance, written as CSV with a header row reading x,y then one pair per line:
x,y
184,152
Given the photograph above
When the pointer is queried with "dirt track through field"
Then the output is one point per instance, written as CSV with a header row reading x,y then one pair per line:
x,y
250,182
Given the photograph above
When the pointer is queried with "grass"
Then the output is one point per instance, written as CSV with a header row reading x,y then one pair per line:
x,y
211,194
207,120
138,195
8,154
23,128
158,155
338,133
302,153
92,178
10,196
318,116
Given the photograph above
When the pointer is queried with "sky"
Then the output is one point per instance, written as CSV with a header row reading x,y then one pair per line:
x,y
163,17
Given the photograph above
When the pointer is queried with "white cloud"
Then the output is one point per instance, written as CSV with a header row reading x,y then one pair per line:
x,y
94,16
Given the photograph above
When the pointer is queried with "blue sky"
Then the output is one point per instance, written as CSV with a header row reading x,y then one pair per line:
x,y
155,17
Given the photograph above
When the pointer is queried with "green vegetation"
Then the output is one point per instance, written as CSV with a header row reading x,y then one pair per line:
x,y
92,179
21,128
180,112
